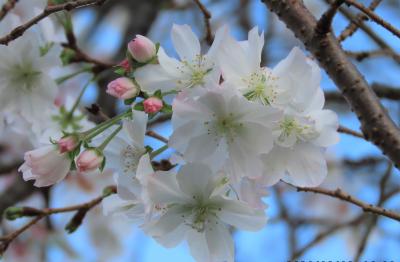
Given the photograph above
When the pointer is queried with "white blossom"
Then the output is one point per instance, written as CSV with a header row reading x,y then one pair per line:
x,y
305,130
46,165
26,86
222,127
125,150
132,202
196,209
192,70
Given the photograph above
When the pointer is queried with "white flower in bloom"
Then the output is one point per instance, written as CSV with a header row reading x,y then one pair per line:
x,y
240,65
196,209
46,165
124,151
193,69
305,130
132,201
26,88
222,127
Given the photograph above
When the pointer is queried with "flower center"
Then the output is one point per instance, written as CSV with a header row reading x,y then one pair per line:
x,y
24,75
199,214
261,87
301,128
195,71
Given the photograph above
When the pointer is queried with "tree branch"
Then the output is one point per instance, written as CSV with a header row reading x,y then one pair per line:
x,y
376,124
19,31
6,8
379,20
81,209
207,17
338,193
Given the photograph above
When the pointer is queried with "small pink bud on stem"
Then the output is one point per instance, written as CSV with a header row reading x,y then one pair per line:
x,y
122,88
89,160
152,105
142,49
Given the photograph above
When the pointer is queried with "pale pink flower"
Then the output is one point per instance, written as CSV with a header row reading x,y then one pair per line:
x,y
89,160
123,88
152,105
46,165
142,49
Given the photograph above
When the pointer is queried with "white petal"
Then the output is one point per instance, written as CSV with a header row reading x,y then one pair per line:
x,y
186,43
198,246
274,165
301,75
163,189
153,77
166,224
255,46
306,166
220,243
240,215
169,64
136,129
327,123
201,147
195,179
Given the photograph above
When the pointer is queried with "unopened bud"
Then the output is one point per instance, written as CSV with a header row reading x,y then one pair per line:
x,y
152,105
67,144
123,88
89,160
142,49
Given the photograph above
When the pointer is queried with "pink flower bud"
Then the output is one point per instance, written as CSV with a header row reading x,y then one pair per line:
x,y
142,49
89,160
152,105
123,88
67,144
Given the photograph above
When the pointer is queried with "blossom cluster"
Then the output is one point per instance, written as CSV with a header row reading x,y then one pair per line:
x,y
238,128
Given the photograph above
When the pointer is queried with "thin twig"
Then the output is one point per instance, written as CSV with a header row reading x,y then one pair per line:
x,y
157,136
381,90
374,17
6,8
349,131
375,37
207,18
361,55
322,235
354,25
338,193
18,31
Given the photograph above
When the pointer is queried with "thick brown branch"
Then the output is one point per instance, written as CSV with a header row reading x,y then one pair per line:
x,y
376,124
18,31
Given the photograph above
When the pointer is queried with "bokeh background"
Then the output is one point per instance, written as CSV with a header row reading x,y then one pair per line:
x,y
296,218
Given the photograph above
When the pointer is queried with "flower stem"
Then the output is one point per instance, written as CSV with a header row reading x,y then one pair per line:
x,y
108,139
87,135
78,99
158,151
